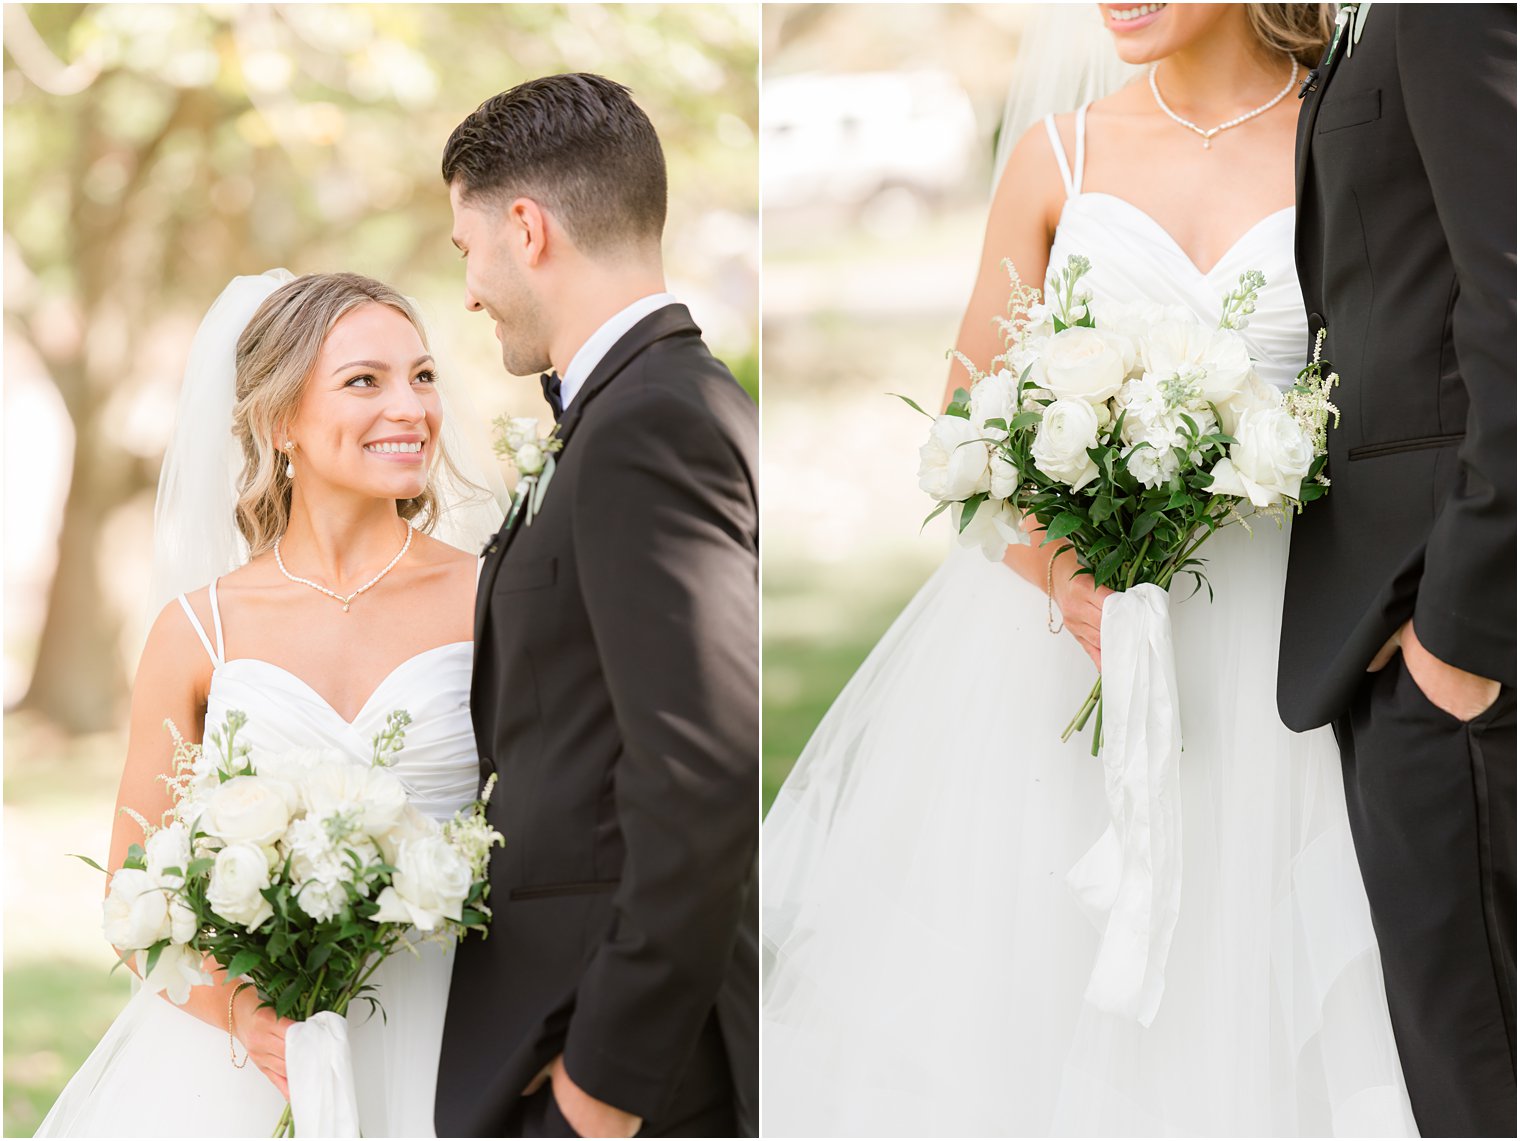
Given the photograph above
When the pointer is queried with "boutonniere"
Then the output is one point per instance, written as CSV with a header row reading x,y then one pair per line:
x,y
518,442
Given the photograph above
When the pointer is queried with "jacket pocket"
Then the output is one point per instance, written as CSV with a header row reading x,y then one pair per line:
x,y
533,574
1416,444
1357,107
550,890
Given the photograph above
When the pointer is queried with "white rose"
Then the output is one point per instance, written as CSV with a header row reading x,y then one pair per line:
x,y
169,847
529,459
246,810
952,465
1081,364
1254,396
182,923
521,430
430,884
136,912
290,768
994,397
1002,478
237,881
413,825
1126,324
1268,461
372,796
176,971
994,526
1069,428
1227,366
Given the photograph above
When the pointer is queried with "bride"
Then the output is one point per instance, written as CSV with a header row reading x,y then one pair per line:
x,y
343,609
926,960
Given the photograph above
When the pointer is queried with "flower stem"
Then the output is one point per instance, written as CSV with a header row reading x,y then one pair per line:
x,y
285,1127
1085,712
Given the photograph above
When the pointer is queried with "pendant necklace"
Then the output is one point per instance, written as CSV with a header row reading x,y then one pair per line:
x,y
348,600
1208,135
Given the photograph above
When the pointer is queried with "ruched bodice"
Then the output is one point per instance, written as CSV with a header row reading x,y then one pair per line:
x,y
1133,256
438,766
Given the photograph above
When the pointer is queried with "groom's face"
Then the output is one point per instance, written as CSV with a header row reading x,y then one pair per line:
x,y
496,283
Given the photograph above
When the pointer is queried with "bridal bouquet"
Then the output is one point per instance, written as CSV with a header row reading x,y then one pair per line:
x,y
298,871
1129,433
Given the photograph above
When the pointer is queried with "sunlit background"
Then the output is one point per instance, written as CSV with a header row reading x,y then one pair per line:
x,y
152,152
877,129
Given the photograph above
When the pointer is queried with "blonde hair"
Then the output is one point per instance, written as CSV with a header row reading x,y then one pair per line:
x,y
275,355
1299,30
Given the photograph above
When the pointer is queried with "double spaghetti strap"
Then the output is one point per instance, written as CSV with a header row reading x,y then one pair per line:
x,y
1072,182
218,652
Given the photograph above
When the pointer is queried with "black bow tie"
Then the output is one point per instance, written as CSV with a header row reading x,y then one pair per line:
x,y
551,385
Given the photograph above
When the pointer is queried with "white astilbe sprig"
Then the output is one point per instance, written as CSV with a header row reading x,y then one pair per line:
x,y
1308,402
1025,312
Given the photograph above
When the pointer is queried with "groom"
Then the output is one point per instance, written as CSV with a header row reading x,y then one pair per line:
x,y
616,658
1400,618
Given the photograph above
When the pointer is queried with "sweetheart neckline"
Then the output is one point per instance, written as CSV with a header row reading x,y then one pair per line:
x,y
331,708
1204,274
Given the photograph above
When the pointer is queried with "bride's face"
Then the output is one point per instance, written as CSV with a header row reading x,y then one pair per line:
x,y
370,412
1144,33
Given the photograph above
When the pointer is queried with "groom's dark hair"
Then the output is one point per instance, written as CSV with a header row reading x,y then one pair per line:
x,y
576,144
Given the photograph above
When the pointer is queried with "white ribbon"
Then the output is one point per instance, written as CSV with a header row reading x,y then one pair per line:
x,y
1130,881
321,1076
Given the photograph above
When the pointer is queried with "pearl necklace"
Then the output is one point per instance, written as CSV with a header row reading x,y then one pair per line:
x,y
279,562
1209,134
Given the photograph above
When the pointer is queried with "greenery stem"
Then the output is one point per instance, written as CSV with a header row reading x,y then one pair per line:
x,y
1088,706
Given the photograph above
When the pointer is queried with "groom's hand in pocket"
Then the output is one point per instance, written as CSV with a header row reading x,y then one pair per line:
x,y
1450,689
585,1114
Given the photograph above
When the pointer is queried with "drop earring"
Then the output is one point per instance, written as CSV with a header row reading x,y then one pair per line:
x,y
290,463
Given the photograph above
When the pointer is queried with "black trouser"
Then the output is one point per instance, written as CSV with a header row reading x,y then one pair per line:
x,y
1432,807
703,1104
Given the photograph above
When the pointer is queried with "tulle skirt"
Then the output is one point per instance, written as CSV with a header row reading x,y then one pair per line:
x,y
160,1072
925,961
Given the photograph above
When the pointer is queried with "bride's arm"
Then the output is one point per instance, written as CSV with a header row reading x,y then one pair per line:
x,y
1020,227
172,681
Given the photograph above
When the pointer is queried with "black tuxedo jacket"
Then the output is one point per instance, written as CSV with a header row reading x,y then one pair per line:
x,y
615,696
1406,255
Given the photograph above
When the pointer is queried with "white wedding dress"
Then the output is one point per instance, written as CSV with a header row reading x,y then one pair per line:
x,y
925,961
160,1072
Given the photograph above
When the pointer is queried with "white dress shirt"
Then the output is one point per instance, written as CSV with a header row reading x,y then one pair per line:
x,y
590,354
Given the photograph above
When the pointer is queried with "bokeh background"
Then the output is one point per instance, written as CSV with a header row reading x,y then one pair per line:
x,y
152,152
878,130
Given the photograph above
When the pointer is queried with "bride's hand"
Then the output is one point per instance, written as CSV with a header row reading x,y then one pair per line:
x,y
262,1033
1081,604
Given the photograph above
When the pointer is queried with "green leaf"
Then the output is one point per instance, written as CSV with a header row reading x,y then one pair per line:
x,y
243,962
911,404
1109,567
89,861
1064,524
136,858
1025,420
319,956
1102,508
1144,525
1059,325
153,953
969,509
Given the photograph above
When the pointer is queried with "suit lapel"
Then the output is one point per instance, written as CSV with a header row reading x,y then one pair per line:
x,y
1306,119
671,321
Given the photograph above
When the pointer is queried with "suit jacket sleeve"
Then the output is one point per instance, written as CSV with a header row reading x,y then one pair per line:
x,y
1457,71
665,533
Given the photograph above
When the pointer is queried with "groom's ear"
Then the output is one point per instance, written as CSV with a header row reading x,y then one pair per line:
x,y
528,231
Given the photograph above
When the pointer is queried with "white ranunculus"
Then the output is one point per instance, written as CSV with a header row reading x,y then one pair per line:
x,y
430,884
178,969
1081,364
994,526
952,465
136,912
994,397
169,847
246,810
1268,461
237,881
1069,428
1003,478
529,459
1255,395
